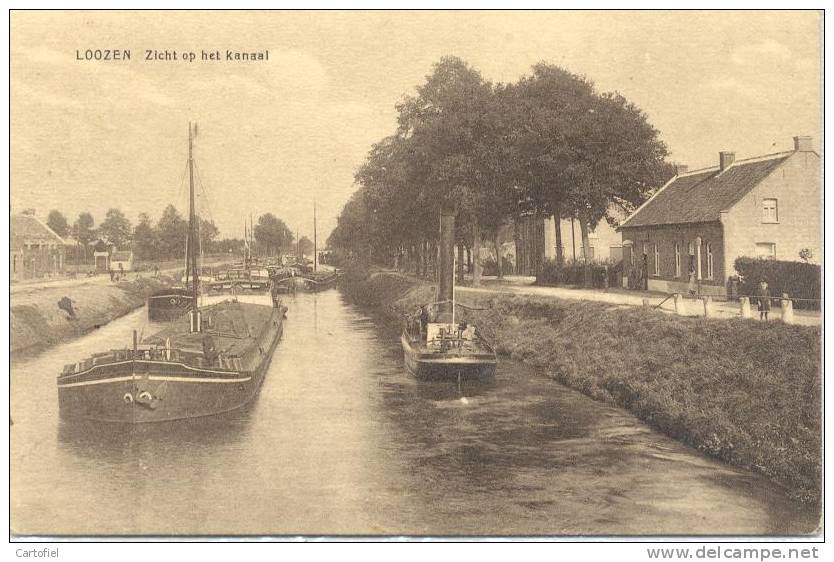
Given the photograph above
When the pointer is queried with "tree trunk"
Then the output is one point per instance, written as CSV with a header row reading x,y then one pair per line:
x,y
469,259
497,243
459,275
476,250
557,221
586,252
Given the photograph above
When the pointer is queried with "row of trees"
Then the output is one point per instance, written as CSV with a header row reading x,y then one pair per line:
x,y
549,144
166,238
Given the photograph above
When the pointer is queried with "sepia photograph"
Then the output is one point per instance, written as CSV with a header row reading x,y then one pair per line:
x,y
432,275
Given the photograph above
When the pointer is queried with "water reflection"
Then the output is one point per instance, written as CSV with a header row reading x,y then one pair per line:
x,y
113,442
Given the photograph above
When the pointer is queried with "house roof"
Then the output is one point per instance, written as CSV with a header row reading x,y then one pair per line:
x,y
700,196
121,255
30,228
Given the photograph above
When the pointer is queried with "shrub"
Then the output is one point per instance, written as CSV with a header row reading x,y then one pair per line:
x,y
797,279
573,274
490,266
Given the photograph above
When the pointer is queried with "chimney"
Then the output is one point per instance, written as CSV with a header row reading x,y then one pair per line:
x,y
803,144
681,169
725,159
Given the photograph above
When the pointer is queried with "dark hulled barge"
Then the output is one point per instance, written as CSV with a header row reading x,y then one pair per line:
x,y
209,361
178,373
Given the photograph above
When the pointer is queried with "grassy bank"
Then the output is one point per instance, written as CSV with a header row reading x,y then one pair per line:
x,y
745,392
37,323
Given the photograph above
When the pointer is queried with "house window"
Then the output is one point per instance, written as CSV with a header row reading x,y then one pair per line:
x,y
709,261
656,260
765,250
590,253
677,260
769,211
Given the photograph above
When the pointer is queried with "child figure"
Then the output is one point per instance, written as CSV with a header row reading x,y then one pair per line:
x,y
764,300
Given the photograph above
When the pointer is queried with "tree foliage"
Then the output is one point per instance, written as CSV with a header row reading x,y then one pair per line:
x,y
83,229
272,234
547,144
58,222
116,229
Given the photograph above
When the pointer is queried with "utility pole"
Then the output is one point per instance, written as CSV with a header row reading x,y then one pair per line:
x,y
315,240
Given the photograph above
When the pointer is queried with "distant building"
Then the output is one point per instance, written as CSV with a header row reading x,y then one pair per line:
x,y
121,260
700,222
35,249
536,242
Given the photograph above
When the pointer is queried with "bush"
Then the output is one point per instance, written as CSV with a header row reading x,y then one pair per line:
x,y
797,279
490,266
573,274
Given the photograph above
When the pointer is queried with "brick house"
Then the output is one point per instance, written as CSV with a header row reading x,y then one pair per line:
x,y
699,222
35,250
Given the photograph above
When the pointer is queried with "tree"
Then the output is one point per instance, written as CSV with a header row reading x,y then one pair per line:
x,y
208,232
172,230
547,104
443,124
145,239
83,230
614,157
58,222
272,233
305,246
116,228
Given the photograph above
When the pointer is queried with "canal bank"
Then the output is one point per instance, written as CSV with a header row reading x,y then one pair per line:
x,y
747,393
38,322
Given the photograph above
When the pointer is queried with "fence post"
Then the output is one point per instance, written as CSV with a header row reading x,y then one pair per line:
x,y
745,307
708,309
680,308
646,305
787,309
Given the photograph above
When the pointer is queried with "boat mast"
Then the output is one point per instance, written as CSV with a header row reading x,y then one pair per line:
x,y
191,255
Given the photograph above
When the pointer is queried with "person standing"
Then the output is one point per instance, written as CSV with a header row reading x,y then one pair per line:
x,y
644,273
764,299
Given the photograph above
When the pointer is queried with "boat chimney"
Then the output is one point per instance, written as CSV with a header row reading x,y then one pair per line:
x,y
195,321
447,263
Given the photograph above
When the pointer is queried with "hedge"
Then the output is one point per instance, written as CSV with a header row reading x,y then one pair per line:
x,y
574,274
798,279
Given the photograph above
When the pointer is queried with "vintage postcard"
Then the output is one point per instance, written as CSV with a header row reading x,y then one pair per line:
x,y
416,274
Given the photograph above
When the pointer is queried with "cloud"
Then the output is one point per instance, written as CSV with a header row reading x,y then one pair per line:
x,y
295,70
735,86
769,49
24,93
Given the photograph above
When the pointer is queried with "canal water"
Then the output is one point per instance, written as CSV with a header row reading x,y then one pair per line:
x,y
341,440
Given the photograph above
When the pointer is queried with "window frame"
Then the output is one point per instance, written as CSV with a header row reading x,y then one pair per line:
x,y
771,256
677,260
710,261
656,260
767,219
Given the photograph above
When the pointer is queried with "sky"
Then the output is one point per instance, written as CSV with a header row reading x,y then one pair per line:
x,y
277,135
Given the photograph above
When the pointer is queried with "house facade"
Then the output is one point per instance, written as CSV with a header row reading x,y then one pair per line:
x,y
35,249
536,242
694,227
